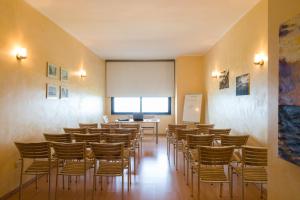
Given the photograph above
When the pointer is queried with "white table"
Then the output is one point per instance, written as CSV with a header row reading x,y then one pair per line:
x,y
154,120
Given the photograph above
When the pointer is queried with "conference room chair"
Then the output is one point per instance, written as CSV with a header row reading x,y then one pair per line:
x,y
192,144
89,125
170,134
58,137
109,161
71,161
254,163
100,131
75,130
136,134
110,125
180,141
40,155
217,134
212,163
87,139
204,128
129,152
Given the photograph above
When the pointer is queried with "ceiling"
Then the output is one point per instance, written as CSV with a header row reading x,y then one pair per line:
x,y
145,29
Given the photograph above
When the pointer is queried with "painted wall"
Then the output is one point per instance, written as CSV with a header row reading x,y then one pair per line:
x,y
284,177
25,112
189,79
235,51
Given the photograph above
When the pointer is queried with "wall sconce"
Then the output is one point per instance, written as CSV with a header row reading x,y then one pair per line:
x,y
82,73
217,74
21,53
259,59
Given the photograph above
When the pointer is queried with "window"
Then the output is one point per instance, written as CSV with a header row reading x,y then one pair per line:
x,y
145,105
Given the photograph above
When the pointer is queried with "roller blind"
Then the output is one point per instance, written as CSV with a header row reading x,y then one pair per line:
x,y
140,78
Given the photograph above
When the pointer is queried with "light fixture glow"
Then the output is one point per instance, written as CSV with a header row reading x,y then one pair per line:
x,y
259,59
215,74
21,53
82,73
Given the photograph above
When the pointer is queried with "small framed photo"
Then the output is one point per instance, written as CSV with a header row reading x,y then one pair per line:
x,y
64,74
243,85
52,91
51,70
64,92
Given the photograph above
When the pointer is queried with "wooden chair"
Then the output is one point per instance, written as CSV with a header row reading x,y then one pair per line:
x,y
87,138
192,144
211,166
90,125
60,137
237,141
40,153
180,141
111,162
110,125
254,163
204,128
73,157
170,132
217,134
100,131
129,151
75,130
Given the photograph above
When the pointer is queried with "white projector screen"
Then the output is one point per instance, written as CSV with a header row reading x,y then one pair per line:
x,y
140,78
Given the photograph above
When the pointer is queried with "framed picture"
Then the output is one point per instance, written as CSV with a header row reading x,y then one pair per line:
x,y
51,91
64,92
64,74
51,70
224,81
243,85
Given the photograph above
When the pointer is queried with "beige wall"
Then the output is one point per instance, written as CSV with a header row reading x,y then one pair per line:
x,y
189,79
235,52
25,112
284,177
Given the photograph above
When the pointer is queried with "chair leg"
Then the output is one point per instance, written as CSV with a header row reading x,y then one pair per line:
x,y
101,183
49,184
221,189
56,183
261,191
128,178
176,158
122,184
192,179
36,182
183,154
84,190
198,192
243,188
21,182
174,152
187,170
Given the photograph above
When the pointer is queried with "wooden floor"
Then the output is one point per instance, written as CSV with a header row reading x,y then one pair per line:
x,y
156,179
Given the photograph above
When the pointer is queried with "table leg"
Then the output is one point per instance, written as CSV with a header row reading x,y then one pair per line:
x,y
156,132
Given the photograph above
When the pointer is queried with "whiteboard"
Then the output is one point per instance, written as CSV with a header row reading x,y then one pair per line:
x,y
192,108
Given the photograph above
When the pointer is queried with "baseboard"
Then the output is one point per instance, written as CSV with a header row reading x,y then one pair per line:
x,y
16,190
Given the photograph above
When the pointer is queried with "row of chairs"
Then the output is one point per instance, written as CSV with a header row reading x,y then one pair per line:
x,y
208,152
109,159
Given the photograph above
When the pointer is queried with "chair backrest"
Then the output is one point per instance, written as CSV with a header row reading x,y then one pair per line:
x,y
254,156
131,131
204,128
181,134
106,151
194,141
218,132
34,150
87,138
131,125
91,125
69,151
99,130
62,137
118,138
234,140
172,128
75,130
110,125
215,155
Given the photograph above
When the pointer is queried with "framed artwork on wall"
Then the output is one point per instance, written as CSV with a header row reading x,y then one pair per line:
x,y
51,70
243,85
64,74
289,91
224,80
51,91
64,92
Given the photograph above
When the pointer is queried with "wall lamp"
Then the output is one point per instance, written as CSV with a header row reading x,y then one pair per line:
x,y
21,53
259,59
82,73
218,74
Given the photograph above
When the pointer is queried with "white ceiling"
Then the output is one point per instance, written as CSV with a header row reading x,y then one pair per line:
x,y
145,29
